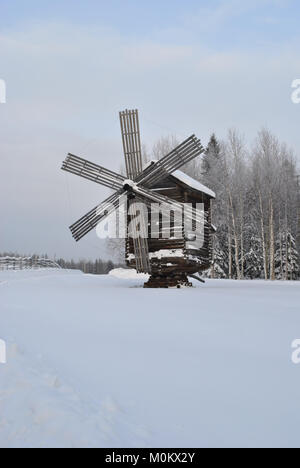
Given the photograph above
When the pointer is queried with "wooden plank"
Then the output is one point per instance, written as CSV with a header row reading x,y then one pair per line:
x,y
131,140
179,156
93,172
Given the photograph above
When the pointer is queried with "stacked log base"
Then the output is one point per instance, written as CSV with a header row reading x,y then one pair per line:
x,y
160,281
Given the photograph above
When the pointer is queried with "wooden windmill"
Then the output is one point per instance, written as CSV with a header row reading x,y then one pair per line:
x,y
169,261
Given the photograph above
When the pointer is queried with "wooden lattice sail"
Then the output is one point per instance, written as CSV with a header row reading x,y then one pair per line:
x,y
169,261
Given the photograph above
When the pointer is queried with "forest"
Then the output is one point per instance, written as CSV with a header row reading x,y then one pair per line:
x,y
257,206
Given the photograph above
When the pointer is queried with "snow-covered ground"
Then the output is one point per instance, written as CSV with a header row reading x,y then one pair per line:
x,y
98,361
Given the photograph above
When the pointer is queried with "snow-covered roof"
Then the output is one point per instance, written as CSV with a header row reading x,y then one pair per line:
x,y
187,180
194,184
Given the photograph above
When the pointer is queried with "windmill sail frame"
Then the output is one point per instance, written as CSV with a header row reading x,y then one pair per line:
x,y
168,260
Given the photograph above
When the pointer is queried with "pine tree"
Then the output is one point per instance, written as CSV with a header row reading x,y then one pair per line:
x,y
220,266
212,154
254,259
287,264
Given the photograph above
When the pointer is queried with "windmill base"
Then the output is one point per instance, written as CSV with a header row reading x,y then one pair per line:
x,y
175,281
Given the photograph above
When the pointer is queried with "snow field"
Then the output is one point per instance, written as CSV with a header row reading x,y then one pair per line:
x,y
97,361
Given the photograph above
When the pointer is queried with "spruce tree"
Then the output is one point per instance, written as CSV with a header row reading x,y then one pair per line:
x,y
287,264
212,154
253,259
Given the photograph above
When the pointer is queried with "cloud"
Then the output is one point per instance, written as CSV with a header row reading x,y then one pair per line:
x,y
214,17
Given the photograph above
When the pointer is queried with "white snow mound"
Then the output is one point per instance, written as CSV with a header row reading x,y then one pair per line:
x,y
129,274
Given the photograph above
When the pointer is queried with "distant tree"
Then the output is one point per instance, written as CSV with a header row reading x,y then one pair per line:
x,y
109,266
212,155
163,146
116,249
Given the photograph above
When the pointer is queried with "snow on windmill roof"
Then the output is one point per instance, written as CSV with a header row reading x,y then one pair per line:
x,y
192,183
187,180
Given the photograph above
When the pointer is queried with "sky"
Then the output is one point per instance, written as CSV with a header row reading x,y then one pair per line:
x,y
70,66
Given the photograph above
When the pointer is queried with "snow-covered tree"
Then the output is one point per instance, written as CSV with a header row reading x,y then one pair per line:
x,y
212,156
254,258
286,256
219,268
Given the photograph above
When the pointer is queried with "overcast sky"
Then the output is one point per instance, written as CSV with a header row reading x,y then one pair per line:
x,y
70,66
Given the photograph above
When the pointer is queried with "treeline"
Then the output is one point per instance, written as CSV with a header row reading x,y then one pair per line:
x,y
96,267
257,207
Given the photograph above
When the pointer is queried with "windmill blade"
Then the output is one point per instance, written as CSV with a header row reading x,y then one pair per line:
x,y
141,253
138,231
130,129
150,197
178,157
189,220
94,172
89,221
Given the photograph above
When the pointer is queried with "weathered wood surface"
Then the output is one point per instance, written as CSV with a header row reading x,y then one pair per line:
x,y
168,281
91,171
130,130
165,270
182,154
